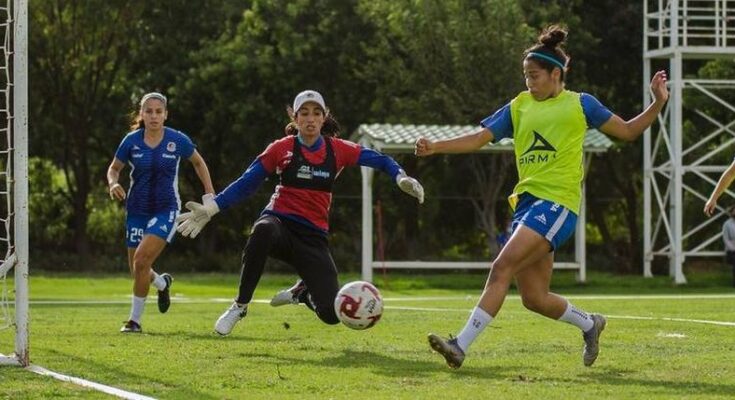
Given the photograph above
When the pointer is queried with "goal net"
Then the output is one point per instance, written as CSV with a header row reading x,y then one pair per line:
x,y
14,183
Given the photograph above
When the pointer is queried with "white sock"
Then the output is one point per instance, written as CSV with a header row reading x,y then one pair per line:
x,y
477,322
158,281
577,317
136,313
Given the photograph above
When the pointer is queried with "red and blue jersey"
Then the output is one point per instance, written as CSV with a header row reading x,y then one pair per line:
x,y
304,192
154,175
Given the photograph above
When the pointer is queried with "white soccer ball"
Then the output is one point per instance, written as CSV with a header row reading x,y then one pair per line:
x,y
359,305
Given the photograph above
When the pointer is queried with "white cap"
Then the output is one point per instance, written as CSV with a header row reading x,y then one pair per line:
x,y
306,96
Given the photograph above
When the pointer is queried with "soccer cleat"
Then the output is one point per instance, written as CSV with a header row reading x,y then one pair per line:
x,y
592,339
164,297
131,326
453,354
229,318
290,295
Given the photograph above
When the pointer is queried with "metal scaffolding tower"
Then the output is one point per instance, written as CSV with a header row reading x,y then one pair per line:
x,y
684,156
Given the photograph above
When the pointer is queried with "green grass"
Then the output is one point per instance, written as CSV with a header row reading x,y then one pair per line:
x,y
521,355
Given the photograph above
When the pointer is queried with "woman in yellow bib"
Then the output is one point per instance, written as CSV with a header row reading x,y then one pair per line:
x,y
548,124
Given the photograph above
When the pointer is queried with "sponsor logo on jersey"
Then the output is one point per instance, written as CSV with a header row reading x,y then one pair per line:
x,y
152,222
306,172
171,146
137,155
164,155
539,145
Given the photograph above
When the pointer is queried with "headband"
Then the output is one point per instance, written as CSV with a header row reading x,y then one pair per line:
x,y
154,95
547,58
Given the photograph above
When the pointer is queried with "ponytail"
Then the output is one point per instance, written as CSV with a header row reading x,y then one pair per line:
x,y
136,121
330,127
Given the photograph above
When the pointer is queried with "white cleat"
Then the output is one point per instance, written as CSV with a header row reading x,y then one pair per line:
x,y
229,318
289,296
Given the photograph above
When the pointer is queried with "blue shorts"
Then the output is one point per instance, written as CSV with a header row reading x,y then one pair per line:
x,y
553,221
162,225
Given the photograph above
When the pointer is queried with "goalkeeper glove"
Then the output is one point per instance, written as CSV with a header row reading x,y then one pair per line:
x,y
192,222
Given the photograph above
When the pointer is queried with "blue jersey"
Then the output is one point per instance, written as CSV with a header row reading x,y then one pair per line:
x,y
154,181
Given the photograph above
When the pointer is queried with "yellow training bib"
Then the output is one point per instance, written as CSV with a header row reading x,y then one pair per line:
x,y
548,138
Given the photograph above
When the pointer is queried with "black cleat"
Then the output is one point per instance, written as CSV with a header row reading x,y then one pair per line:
x,y
448,348
592,339
164,297
131,326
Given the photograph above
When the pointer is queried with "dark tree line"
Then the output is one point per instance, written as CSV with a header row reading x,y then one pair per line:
x,y
231,67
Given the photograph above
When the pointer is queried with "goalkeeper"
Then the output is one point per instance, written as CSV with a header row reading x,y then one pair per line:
x,y
294,226
548,125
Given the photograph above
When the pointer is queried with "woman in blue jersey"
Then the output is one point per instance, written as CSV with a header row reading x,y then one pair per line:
x,y
548,124
153,152
294,226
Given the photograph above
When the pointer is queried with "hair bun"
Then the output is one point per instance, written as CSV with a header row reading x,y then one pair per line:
x,y
553,36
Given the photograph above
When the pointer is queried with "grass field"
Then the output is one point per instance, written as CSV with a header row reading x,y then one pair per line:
x,y
658,343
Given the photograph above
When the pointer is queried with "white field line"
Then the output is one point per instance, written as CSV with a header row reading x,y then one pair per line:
x,y
634,317
89,384
134,396
463,310
187,300
696,321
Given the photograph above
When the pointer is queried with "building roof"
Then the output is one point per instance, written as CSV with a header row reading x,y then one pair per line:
x,y
400,138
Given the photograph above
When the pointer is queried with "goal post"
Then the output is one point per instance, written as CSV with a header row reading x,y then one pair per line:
x,y
14,181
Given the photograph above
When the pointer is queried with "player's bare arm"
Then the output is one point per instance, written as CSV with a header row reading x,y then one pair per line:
x,y
462,144
630,130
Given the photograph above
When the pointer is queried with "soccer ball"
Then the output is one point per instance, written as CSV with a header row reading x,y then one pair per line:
x,y
359,305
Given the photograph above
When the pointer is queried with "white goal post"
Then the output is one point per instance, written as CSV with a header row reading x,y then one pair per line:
x,y
14,180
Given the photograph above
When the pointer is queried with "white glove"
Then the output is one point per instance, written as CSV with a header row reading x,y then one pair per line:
x,y
192,222
410,186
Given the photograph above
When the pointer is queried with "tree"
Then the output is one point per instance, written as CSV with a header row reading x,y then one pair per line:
x,y
77,75
237,94
448,62
90,59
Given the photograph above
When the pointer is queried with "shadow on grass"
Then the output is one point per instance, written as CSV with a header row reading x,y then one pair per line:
x,y
213,336
394,367
617,377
